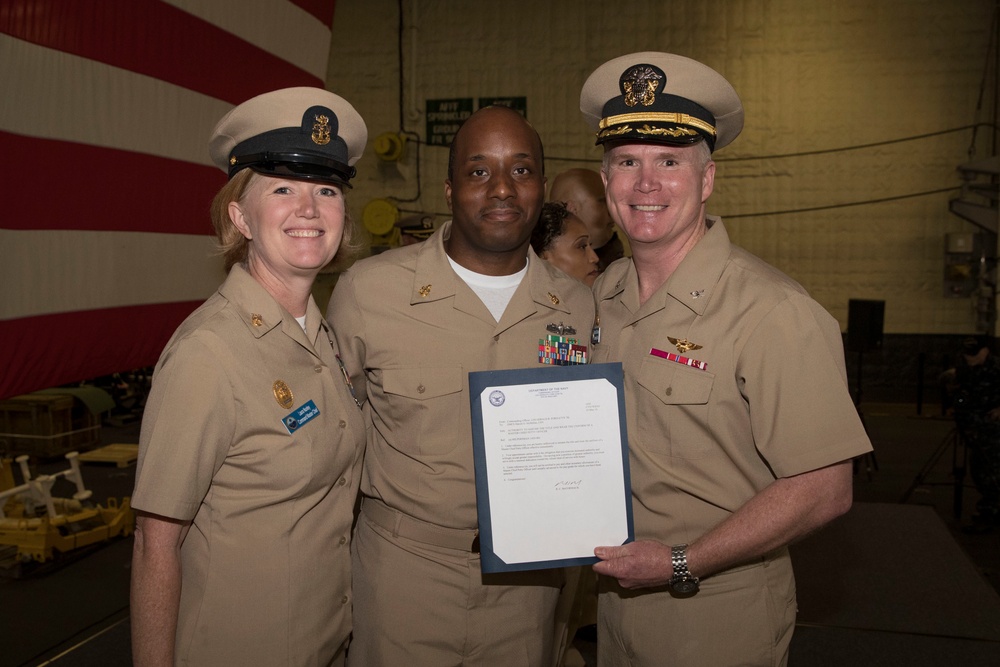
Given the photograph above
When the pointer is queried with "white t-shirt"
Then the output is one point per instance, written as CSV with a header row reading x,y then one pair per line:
x,y
494,291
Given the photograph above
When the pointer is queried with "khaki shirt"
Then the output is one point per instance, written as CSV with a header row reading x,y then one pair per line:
x,y
416,330
772,400
266,563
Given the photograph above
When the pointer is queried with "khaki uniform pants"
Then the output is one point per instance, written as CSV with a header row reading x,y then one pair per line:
x,y
744,616
421,605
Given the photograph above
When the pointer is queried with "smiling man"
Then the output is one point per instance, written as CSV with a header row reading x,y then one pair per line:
x,y
415,321
741,428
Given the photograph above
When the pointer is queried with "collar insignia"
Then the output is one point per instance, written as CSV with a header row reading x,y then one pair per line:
x,y
683,344
425,290
554,299
256,320
697,293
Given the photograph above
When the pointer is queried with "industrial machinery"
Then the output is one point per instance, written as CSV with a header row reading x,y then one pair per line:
x,y
37,527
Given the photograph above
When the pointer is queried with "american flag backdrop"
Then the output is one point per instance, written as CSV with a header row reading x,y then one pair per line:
x,y
105,111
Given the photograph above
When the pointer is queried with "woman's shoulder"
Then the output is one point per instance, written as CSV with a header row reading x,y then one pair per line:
x,y
209,326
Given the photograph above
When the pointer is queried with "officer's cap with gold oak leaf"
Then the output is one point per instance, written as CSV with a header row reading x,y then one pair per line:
x,y
662,98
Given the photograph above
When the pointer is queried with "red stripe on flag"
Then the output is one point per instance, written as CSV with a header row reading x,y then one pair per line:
x,y
321,9
89,188
155,39
50,350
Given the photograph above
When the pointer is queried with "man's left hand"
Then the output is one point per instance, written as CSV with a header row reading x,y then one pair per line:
x,y
643,564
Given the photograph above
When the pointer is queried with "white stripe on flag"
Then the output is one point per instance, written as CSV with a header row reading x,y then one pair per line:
x,y
281,28
46,272
57,95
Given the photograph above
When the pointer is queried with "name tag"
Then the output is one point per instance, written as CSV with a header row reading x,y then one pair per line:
x,y
300,417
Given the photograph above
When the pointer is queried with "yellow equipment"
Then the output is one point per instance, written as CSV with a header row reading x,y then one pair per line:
x,y
40,526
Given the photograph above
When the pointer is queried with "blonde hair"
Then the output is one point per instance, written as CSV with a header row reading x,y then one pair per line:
x,y
234,247
704,153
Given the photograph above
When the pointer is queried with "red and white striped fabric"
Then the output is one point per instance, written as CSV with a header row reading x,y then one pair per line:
x,y
106,108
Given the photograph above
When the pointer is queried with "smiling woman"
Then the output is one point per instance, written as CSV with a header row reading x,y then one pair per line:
x,y
293,228
561,239
252,438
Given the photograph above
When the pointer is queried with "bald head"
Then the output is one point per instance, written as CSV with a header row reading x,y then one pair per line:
x,y
582,190
493,110
495,191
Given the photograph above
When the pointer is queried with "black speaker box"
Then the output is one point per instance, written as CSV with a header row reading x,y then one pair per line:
x,y
864,325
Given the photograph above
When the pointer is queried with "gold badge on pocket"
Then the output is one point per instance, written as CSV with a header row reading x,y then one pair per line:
x,y
283,394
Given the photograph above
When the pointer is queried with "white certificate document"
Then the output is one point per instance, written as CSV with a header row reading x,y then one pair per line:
x,y
551,460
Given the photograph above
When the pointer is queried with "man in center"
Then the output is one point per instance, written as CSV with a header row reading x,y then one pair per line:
x,y
416,321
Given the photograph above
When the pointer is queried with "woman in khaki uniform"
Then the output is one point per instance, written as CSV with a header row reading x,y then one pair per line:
x,y
251,441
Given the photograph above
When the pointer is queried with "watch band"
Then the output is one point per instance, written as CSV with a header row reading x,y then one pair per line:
x,y
682,580
679,559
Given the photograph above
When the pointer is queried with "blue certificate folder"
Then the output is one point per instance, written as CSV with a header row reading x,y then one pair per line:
x,y
545,376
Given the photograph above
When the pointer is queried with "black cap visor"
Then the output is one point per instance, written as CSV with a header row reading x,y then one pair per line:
x,y
300,166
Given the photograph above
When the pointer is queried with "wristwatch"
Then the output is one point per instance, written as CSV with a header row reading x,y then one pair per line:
x,y
683,581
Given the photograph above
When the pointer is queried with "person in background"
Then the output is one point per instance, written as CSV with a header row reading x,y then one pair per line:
x,y
975,383
583,193
740,424
416,320
561,239
251,442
